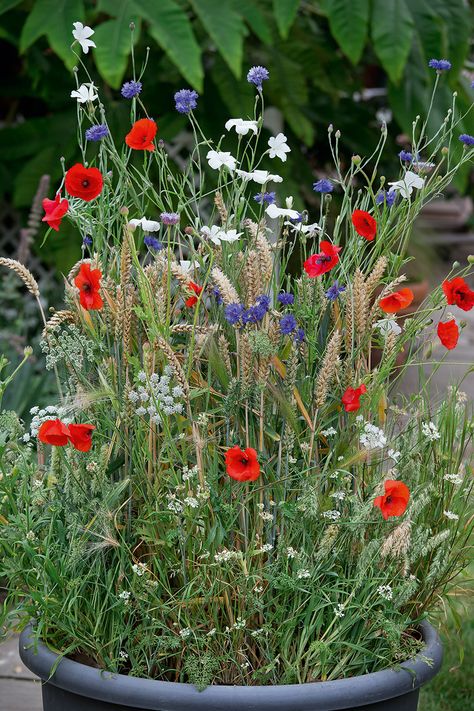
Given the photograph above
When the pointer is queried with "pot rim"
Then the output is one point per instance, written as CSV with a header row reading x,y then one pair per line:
x,y
176,696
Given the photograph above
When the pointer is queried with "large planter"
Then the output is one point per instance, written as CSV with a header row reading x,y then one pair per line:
x,y
76,687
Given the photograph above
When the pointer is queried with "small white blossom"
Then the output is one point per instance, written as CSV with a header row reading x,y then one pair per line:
x,y
225,555
274,212
278,147
266,515
26,437
221,159
34,410
191,502
211,632
339,495
303,573
185,633
123,655
409,181
217,235
259,176
84,94
125,596
265,548
139,569
30,536
451,515
329,432
291,552
372,437
332,515
339,610
241,127
394,455
453,478
302,228
385,591
146,225
430,431
81,34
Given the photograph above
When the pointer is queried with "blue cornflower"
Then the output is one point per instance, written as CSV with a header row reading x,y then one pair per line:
x,y
264,301
86,241
97,133
131,89
186,100
268,198
152,243
299,335
257,75
406,155
233,313
285,298
288,324
217,295
323,186
386,197
169,218
441,65
333,292
466,139
297,220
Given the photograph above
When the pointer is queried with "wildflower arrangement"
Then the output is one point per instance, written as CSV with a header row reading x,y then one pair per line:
x,y
228,488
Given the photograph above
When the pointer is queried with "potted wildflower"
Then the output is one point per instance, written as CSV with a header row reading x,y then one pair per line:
x,y
227,508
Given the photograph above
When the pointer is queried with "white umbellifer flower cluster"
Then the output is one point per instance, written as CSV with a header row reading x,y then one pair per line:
x,y
139,569
339,610
239,624
372,437
225,555
189,474
52,412
303,573
258,633
291,552
265,548
385,591
123,655
453,478
156,396
394,455
30,536
430,431
211,632
125,596
185,633
332,515
339,495
329,432
174,504
451,515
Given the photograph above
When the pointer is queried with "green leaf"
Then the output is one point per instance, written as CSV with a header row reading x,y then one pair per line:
x,y
255,19
113,40
286,73
458,17
431,28
53,18
8,5
171,28
226,30
349,20
392,35
285,14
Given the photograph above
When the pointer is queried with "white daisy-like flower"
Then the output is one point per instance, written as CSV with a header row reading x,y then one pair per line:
x,y
388,325
123,655
241,127
451,515
302,228
85,93
221,159
275,212
278,147
409,181
81,34
146,225
217,235
259,176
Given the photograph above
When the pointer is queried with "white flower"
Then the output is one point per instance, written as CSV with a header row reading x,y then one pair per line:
x,y
125,595
274,212
385,591
217,235
264,548
185,633
332,515
211,632
388,325
241,127
394,455
146,225
453,478
303,573
339,495
430,431
221,159
407,183
123,655
81,34
291,552
305,229
191,501
339,610
329,432
278,147
451,515
259,176
139,569
372,437
84,94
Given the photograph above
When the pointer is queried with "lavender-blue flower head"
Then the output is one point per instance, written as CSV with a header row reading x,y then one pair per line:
x,y
86,241
299,335
466,139
333,292
441,65
386,197
169,218
323,186
285,298
406,155
288,324
97,133
152,243
131,89
267,198
257,75
233,313
186,100
217,295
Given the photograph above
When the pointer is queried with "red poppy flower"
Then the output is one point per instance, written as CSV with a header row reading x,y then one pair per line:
x,y
242,465
54,211
323,262
458,292
396,301
364,224
192,300
54,432
395,500
81,436
84,183
88,283
141,135
448,333
351,398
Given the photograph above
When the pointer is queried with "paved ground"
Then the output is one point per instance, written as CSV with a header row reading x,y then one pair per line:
x,y
19,691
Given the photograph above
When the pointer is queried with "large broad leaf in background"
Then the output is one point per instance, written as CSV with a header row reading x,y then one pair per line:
x,y
53,18
294,98
255,17
285,14
171,28
113,40
349,21
392,33
226,29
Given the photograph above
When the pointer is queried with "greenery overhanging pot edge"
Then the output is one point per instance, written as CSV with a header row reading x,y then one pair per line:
x,y
151,694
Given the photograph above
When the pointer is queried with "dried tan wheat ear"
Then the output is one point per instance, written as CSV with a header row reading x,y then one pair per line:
x,y
25,275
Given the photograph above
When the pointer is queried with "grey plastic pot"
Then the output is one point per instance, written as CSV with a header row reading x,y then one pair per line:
x,y
77,687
